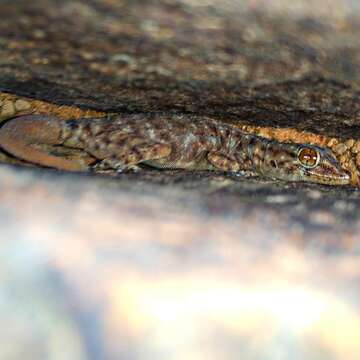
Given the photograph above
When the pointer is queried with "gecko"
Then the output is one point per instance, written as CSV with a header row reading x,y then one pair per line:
x,y
163,141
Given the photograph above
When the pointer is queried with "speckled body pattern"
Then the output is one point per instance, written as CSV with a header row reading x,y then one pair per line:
x,y
165,141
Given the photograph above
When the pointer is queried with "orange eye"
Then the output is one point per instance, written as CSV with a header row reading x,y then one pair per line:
x,y
309,157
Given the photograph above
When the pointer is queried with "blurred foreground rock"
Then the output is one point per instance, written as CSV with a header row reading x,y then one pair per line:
x,y
99,268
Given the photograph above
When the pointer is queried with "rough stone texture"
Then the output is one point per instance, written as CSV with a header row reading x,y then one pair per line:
x,y
231,60
176,265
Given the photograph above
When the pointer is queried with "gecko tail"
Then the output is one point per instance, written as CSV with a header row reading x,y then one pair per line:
x,y
19,137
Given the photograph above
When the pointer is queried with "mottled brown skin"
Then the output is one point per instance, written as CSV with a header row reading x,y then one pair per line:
x,y
167,141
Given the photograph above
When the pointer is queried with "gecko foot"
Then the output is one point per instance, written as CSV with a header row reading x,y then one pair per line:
x,y
106,165
131,168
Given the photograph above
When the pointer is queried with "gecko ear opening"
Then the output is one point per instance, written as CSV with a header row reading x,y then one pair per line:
x,y
308,157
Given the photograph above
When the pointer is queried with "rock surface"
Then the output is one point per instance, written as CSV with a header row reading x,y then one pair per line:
x,y
178,265
101,268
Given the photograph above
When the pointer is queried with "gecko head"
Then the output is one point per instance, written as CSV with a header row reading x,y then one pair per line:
x,y
309,163
319,165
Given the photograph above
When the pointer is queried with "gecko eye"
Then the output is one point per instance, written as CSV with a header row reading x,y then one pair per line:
x,y
308,157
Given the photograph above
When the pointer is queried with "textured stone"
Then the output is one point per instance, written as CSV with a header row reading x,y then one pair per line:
x,y
350,143
339,149
7,109
356,148
22,105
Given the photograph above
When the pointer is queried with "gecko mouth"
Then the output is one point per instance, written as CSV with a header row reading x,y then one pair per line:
x,y
339,179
